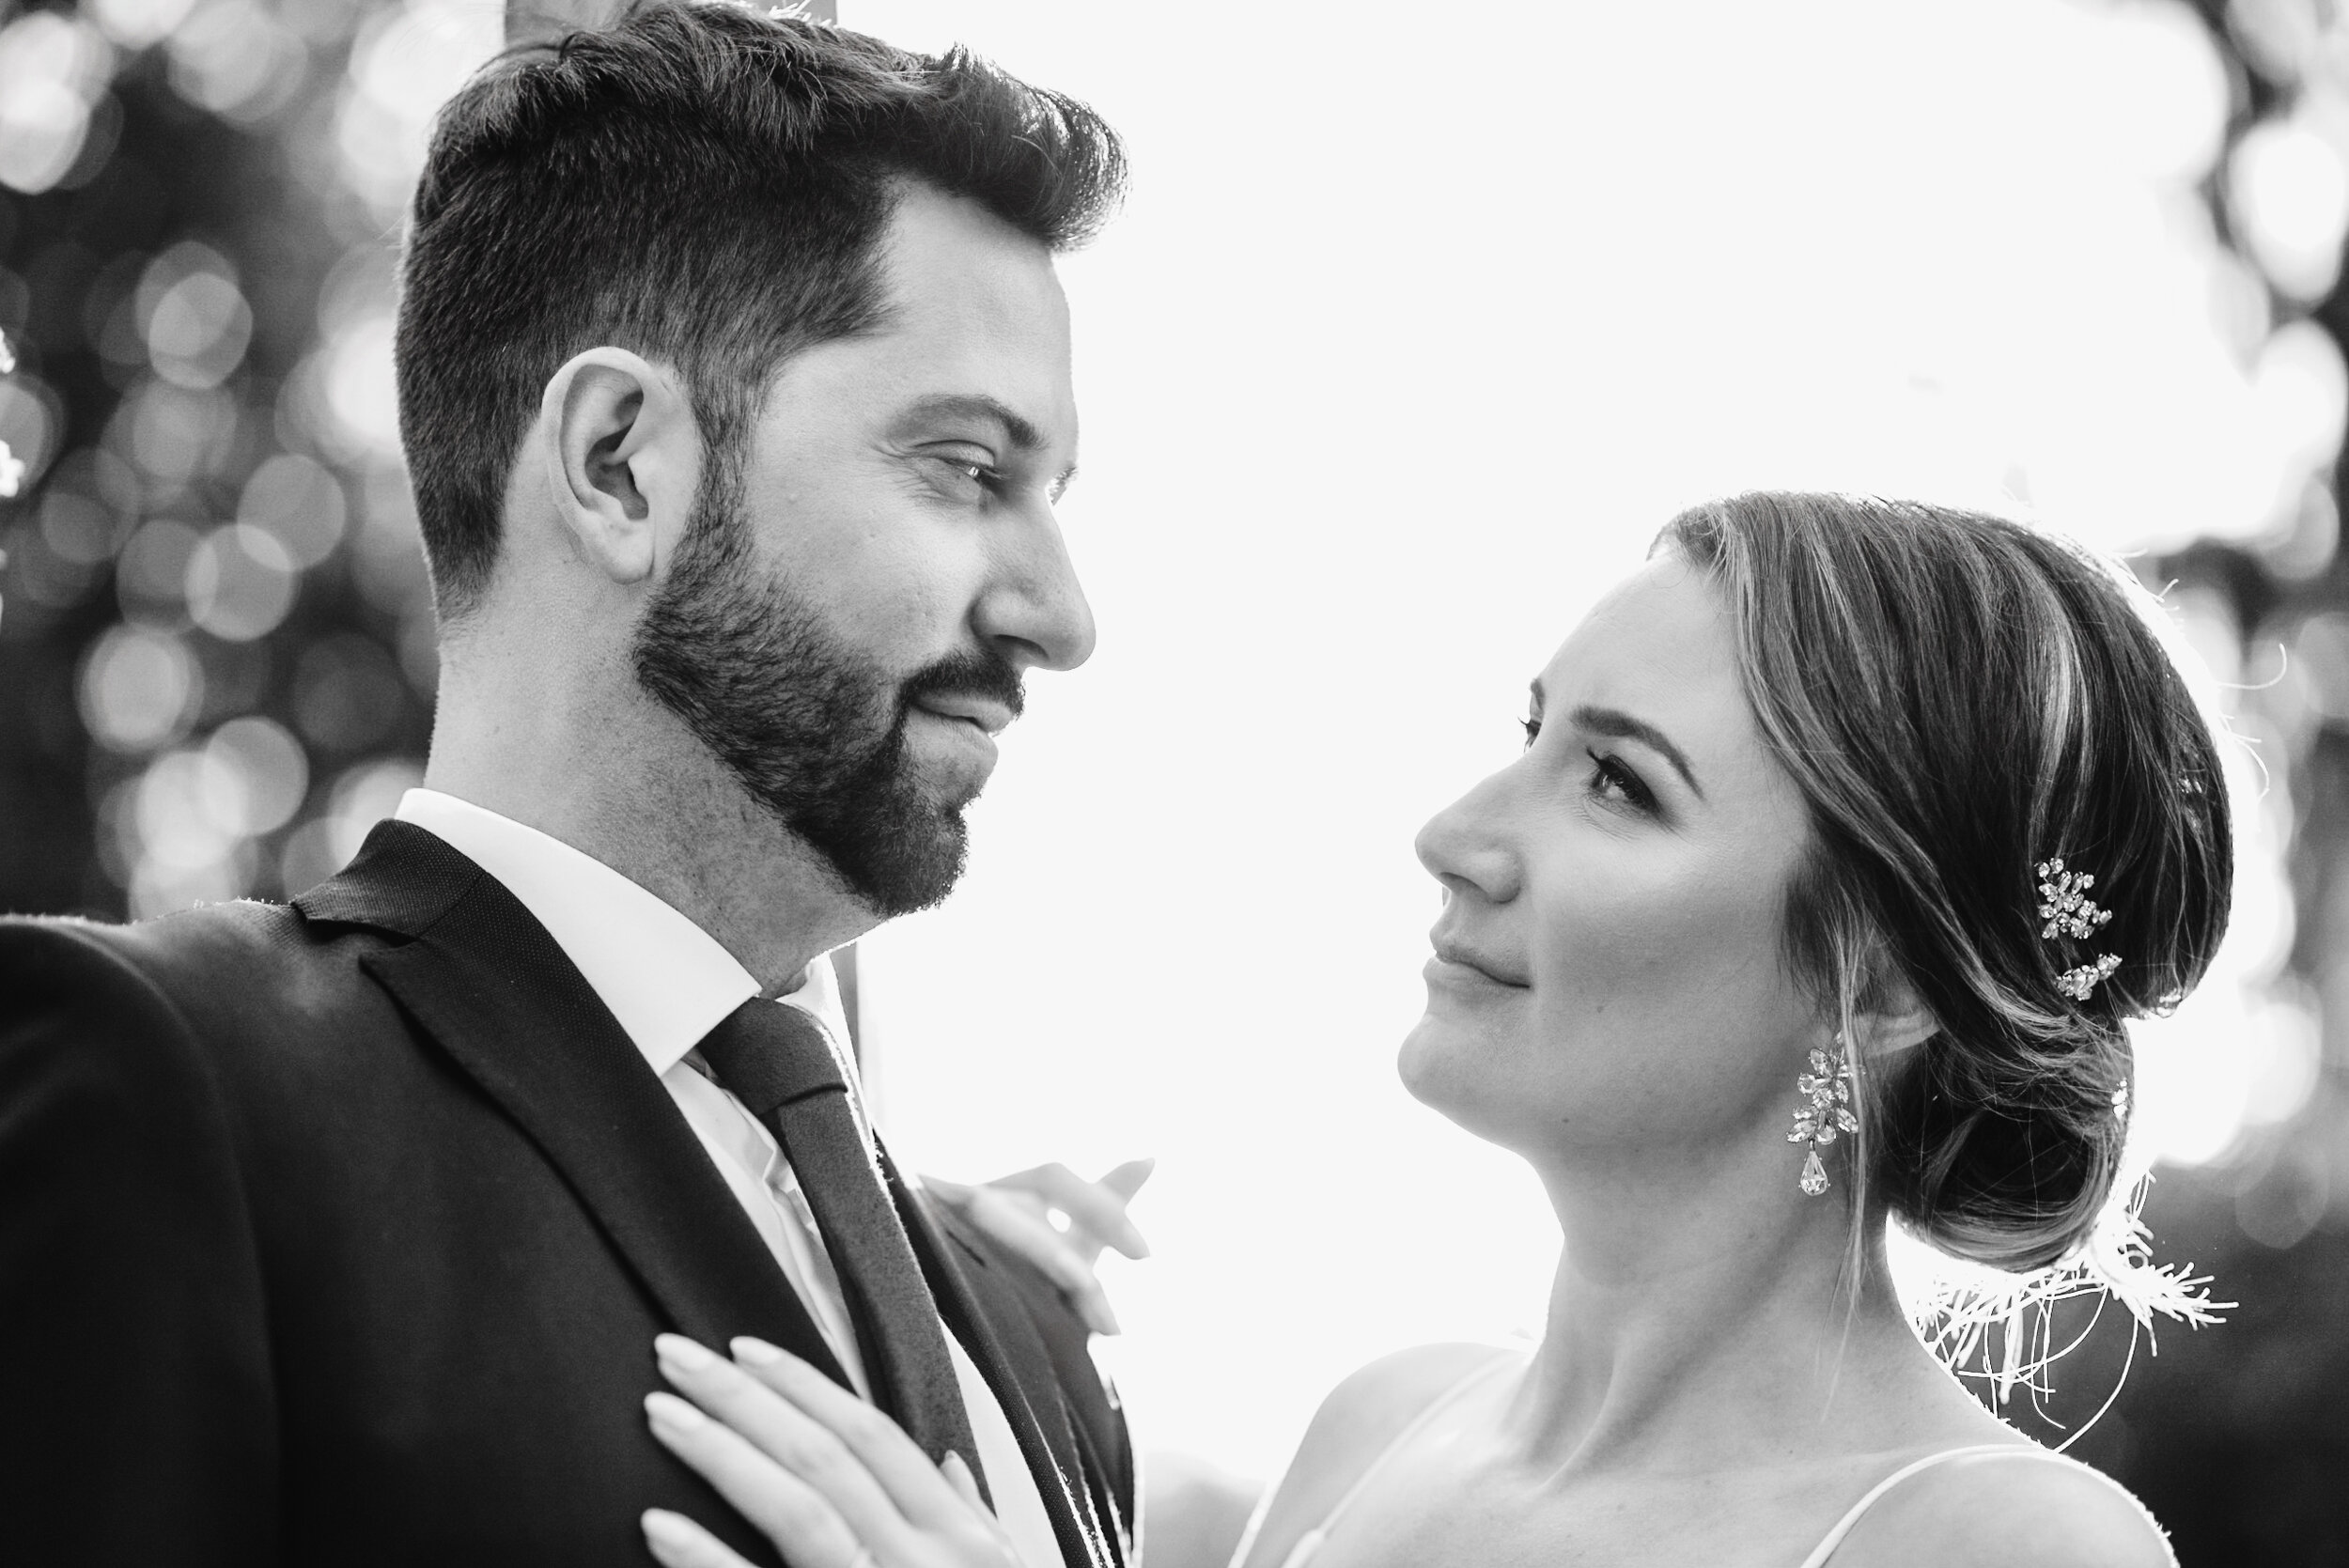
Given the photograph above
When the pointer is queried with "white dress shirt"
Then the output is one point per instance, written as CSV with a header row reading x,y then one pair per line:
x,y
669,983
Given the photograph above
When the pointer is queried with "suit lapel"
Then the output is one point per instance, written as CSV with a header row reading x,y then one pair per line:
x,y
986,1314
1013,1290
495,991
487,983
1005,1300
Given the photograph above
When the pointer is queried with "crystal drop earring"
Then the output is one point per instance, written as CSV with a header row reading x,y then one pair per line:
x,y
1826,1089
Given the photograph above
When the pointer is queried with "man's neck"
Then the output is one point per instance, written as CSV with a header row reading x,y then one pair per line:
x,y
666,816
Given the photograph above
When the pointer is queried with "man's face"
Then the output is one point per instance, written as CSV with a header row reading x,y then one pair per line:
x,y
848,617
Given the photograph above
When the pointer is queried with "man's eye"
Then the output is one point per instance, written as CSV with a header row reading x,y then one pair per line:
x,y
963,472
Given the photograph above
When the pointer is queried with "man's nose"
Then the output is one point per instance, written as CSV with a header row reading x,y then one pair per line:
x,y
1464,846
1034,612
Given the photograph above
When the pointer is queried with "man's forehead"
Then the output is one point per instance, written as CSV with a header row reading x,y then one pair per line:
x,y
950,257
975,323
1016,395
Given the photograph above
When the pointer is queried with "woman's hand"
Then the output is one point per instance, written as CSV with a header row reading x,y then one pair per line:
x,y
829,1480
1020,1211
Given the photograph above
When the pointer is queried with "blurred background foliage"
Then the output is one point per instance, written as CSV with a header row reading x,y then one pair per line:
x,y
219,662
216,664
2238,1437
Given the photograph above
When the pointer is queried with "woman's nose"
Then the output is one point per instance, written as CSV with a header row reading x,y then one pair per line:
x,y
1465,847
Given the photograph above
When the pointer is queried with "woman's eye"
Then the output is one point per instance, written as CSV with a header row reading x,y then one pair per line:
x,y
1611,779
1532,728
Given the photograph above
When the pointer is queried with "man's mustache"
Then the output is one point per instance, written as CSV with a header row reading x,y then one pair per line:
x,y
965,674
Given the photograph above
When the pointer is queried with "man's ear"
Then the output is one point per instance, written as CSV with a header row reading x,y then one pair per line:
x,y
622,459
1898,1021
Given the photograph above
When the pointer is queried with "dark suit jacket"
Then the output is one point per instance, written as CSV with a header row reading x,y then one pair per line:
x,y
339,1234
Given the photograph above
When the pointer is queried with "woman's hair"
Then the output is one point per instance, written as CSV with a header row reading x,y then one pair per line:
x,y
1961,698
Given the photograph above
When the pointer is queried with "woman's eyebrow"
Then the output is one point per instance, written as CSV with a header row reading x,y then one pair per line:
x,y
1613,722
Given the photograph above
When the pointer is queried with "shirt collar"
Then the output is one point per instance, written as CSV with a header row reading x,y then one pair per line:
x,y
666,980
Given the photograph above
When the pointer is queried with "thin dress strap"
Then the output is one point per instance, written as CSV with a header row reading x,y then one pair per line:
x,y
2019,1451
1309,1543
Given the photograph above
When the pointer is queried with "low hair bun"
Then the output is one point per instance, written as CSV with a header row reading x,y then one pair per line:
x,y
2004,1165
1962,699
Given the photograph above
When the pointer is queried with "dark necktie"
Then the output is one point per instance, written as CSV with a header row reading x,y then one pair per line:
x,y
776,1061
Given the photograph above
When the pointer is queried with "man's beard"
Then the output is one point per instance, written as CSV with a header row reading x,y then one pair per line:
x,y
815,735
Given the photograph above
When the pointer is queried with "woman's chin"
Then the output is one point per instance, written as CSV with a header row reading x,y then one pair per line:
x,y
1463,1075
1437,1065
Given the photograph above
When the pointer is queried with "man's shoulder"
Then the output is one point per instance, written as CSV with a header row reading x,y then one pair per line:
x,y
232,976
238,948
117,1040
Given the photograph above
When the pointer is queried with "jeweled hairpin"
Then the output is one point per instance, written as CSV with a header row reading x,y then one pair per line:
x,y
2068,908
2068,911
2078,983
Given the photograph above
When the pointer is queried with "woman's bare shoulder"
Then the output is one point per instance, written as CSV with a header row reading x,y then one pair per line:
x,y
1356,1424
2009,1510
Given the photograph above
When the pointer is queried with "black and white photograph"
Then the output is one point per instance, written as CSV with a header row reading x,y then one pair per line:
x,y
1052,784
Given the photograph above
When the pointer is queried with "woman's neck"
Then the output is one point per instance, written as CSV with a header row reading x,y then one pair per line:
x,y
1712,1320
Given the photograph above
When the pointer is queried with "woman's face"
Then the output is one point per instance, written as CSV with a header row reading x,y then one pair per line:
x,y
1608,975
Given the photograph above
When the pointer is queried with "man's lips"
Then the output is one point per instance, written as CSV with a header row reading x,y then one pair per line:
x,y
990,716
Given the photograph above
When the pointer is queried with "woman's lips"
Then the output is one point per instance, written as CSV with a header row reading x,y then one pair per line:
x,y
1454,961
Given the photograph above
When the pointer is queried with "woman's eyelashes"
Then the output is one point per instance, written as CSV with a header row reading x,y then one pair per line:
x,y
1610,775
1613,780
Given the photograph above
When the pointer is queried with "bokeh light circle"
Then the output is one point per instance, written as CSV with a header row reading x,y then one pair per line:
x,y
239,583
139,688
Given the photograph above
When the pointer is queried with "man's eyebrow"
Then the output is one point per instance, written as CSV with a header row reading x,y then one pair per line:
x,y
1017,429
1613,722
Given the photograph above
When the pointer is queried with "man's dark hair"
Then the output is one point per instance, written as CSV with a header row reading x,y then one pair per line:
x,y
705,186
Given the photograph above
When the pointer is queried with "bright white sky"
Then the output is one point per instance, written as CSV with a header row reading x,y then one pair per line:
x,y
1415,329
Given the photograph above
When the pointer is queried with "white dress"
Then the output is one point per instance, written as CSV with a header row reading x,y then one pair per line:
x,y
1309,1544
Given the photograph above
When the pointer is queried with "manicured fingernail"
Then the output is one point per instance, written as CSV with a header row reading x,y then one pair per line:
x,y
688,1355
1099,1318
754,1353
666,1533
676,1414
